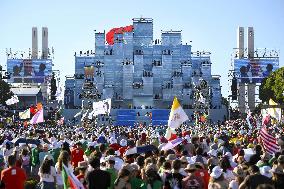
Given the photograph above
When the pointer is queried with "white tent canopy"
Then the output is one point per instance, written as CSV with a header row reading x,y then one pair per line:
x,y
25,91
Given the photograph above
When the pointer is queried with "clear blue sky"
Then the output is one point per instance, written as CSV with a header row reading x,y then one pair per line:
x,y
210,24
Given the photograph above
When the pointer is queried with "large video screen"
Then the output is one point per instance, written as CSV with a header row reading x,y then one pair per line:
x,y
28,70
254,70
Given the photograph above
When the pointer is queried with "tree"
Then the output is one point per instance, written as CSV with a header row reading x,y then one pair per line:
x,y
53,87
272,87
5,92
225,102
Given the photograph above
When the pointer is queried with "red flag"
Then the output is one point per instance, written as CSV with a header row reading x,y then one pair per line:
x,y
33,110
268,141
173,137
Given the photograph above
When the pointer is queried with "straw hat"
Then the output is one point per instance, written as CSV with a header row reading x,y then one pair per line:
x,y
216,172
190,167
183,159
239,172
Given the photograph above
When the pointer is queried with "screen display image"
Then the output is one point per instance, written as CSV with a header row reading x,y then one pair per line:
x,y
254,70
28,70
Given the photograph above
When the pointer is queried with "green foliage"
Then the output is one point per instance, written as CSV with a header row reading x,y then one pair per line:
x,y
31,183
225,102
273,87
5,92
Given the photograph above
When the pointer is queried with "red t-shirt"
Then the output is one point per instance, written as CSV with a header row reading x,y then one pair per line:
x,y
14,178
77,156
81,178
114,146
122,150
203,173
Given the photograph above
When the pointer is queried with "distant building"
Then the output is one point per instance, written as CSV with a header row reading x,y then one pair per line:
x,y
30,75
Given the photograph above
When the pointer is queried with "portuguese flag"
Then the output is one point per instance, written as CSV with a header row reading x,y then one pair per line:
x,y
70,180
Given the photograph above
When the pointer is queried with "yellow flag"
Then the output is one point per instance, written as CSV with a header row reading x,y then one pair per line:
x,y
274,112
177,115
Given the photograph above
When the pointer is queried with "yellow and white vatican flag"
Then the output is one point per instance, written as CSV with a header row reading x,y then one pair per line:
x,y
274,112
25,114
177,115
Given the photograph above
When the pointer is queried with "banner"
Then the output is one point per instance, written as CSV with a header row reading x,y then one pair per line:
x,y
13,100
37,118
101,107
29,70
254,70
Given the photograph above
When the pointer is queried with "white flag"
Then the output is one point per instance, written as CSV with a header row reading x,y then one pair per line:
x,y
25,114
101,107
202,99
13,100
177,115
274,112
107,105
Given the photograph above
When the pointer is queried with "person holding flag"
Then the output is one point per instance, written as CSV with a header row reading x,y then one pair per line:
x,y
176,118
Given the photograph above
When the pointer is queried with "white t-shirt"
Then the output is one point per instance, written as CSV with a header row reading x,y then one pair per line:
x,y
48,177
233,185
59,180
228,175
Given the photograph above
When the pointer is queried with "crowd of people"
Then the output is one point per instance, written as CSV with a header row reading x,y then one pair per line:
x,y
228,155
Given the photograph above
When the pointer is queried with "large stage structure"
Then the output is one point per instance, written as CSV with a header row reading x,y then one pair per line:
x,y
142,74
249,67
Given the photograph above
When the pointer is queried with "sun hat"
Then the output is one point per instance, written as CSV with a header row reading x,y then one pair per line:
x,y
265,171
239,172
190,167
250,145
212,152
47,157
183,159
171,157
216,172
123,142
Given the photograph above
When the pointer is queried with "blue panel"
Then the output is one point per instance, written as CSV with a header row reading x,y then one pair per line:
x,y
125,117
160,117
